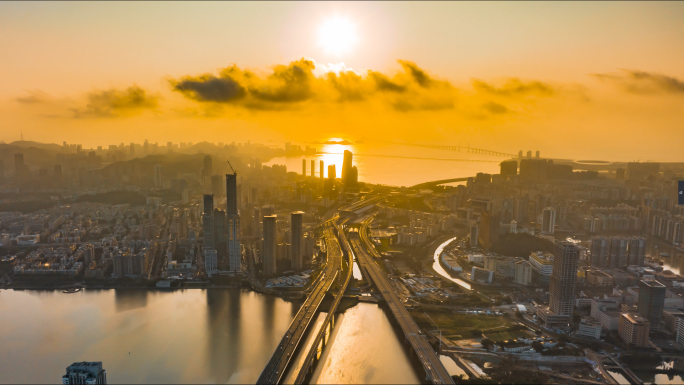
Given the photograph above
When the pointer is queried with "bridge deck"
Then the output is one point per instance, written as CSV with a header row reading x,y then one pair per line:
x,y
431,363
273,372
313,349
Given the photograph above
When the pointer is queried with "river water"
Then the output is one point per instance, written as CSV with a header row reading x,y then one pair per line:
x,y
440,270
397,165
184,336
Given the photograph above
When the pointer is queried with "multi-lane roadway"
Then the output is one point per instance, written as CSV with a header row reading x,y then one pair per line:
x,y
431,363
274,370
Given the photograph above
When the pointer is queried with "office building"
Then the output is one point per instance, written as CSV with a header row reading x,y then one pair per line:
x,y
321,169
220,231
634,330
85,373
268,248
651,301
233,225
303,167
346,166
313,168
548,220
331,172
589,329
297,239
209,242
473,235
208,169
563,277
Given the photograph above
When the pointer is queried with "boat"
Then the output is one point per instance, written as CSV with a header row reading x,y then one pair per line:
x,y
72,290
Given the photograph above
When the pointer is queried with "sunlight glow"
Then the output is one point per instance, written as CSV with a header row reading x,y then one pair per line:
x,y
337,35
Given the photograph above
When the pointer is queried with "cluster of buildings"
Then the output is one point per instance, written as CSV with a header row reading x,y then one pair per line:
x,y
295,280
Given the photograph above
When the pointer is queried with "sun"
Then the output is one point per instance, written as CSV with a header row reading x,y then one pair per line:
x,y
337,35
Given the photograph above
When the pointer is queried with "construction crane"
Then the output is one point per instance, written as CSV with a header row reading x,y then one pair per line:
x,y
231,167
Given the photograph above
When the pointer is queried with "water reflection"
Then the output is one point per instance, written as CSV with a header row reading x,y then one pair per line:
x,y
125,300
364,348
189,336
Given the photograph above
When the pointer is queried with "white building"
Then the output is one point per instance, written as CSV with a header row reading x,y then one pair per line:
x,y
589,329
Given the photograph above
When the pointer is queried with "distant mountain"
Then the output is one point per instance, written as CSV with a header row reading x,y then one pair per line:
x,y
33,156
43,146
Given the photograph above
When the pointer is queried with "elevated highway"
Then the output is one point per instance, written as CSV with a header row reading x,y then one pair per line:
x,y
312,354
274,370
434,369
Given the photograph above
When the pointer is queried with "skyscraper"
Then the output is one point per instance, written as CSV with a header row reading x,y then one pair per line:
x,y
473,235
313,168
208,223
332,174
268,249
346,166
618,251
651,301
297,237
210,262
563,277
256,225
637,251
208,169
157,176
233,217
548,220
321,170
304,167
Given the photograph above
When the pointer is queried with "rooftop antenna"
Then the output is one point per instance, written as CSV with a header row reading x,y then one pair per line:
x,y
231,167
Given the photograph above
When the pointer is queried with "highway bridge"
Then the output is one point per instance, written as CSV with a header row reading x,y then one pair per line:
x,y
454,148
312,355
275,369
434,369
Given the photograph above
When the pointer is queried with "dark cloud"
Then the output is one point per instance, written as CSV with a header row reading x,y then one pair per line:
x,y
211,89
514,87
495,108
383,83
34,97
641,82
115,103
418,74
287,84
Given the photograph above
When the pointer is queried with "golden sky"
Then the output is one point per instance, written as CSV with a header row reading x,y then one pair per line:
x,y
573,79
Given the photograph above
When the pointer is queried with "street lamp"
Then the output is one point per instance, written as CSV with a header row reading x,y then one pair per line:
x,y
440,331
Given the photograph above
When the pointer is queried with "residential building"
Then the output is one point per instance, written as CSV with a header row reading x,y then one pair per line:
x,y
634,329
651,301
589,329
270,242
84,373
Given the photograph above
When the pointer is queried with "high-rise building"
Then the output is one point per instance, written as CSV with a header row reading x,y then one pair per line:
x,y
651,301
346,166
563,277
208,223
157,176
233,217
297,239
548,220
267,210
508,168
256,225
132,146
637,251
85,373
220,232
268,249
217,188
313,168
600,251
331,172
618,251
473,235
208,169
303,167
210,262
321,170
634,329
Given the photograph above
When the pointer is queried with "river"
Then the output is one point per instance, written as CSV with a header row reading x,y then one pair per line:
x,y
440,270
183,336
397,165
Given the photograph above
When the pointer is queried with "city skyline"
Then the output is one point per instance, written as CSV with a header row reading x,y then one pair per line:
x,y
510,86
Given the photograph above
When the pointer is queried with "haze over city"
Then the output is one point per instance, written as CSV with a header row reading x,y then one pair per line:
x,y
342,192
